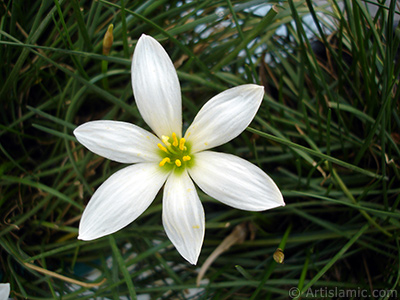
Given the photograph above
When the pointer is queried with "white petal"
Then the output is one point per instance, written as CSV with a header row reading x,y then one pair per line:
x,y
156,87
119,141
121,199
235,181
224,117
4,291
183,216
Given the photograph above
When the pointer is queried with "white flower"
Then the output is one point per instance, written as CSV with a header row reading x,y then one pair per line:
x,y
169,158
4,291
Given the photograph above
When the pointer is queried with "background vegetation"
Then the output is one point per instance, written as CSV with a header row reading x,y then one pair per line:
x,y
327,133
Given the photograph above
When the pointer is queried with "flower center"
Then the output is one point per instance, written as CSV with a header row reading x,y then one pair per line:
x,y
174,151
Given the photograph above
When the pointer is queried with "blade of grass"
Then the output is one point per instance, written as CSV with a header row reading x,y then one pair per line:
x,y
81,25
33,37
122,267
264,23
318,154
333,261
272,265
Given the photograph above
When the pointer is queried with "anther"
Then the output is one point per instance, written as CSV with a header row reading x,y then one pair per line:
x,y
182,144
164,161
165,139
175,139
178,163
162,148
186,158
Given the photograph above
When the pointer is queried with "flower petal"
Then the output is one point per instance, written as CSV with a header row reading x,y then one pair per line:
x,y
224,117
156,87
235,181
183,216
119,141
121,199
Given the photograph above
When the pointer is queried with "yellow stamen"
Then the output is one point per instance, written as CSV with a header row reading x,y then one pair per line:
x,y
186,158
165,139
164,161
178,163
175,139
182,144
162,148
